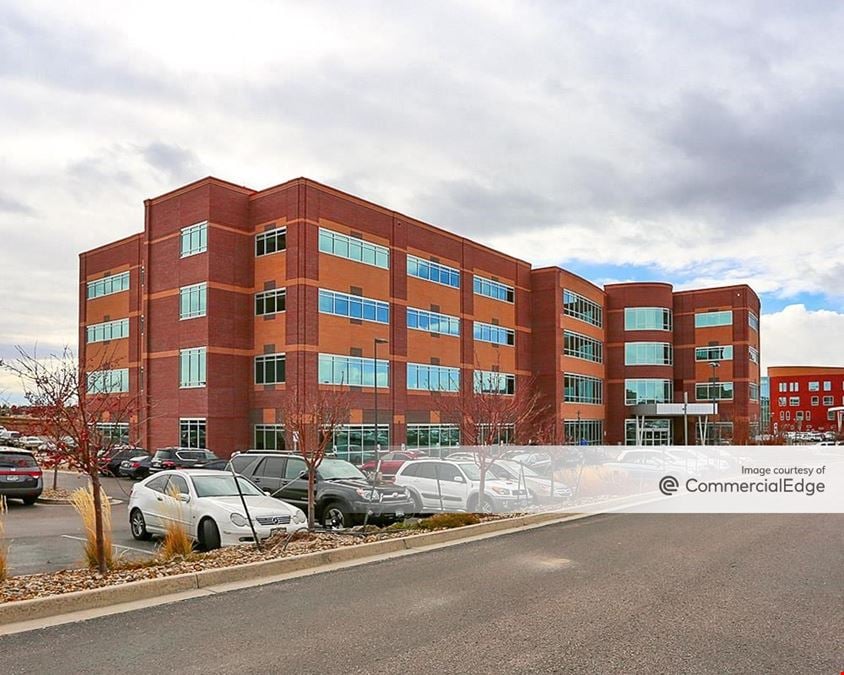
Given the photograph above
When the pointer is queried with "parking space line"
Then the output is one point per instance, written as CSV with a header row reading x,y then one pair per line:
x,y
128,548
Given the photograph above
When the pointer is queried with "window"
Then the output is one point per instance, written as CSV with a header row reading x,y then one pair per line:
x,y
492,382
647,391
827,385
794,401
814,400
794,386
194,239
647,318
584,432
582,308
271,467
648,354
192,301
495,434
192,367
192,432
110,330
352,248
753,354
782,415
582,389
798,415
108,381
714,353
294,467
582,347
783,386
269,437
808,415
113,432
814,386
421,376
709,319
353,371
116,283
432,322
269,369
828,401
754,391
271,241
493,289
782,401
177,485
431,271
753,321
433,436
496,334
353,306
830,415
720,391
270,302
787,414
354,442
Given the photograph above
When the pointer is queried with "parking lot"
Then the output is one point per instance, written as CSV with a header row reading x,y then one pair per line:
x,y
49,537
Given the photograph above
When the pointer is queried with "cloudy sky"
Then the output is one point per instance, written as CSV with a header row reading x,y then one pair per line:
x,y
699,143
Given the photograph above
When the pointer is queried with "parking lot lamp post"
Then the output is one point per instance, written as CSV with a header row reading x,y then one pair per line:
x,y
376,342
714,365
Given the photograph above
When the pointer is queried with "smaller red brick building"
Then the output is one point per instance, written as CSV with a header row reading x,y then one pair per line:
x,y
801,397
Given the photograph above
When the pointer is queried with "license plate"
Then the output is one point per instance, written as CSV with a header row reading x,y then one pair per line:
x,y
13,478
276,530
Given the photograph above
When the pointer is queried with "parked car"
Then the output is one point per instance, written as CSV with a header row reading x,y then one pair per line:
x,y
208,505
20,475
539,487
390,462
180,458
538,461
31,442
343,495
136,468
442,485
111,460
645,464
217,465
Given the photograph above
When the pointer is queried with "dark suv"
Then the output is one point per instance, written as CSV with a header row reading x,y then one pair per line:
x,y
20,475
343,495
180,458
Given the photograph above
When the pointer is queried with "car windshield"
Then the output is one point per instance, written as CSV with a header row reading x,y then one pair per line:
x,y
332,469
222,486
474,473
13,459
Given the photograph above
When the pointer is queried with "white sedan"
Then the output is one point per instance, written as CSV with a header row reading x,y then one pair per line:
x,y
209,507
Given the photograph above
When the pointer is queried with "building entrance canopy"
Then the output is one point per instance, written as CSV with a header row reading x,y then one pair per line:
x,y
700,410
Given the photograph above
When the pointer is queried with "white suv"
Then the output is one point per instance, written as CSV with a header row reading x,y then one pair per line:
x,y
442,485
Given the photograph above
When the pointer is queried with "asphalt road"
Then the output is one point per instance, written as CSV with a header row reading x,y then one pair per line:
x,y
47,537
613,593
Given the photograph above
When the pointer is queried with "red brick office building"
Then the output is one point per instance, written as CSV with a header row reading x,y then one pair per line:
x,y
802,396
229,295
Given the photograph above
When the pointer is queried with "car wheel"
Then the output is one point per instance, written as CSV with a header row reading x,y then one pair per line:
x,y
209,535
487,505
29,501
138,525
417,504
335,516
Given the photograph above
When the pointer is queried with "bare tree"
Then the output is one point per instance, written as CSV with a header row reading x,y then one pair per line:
x,y
77,419
310,420
489,416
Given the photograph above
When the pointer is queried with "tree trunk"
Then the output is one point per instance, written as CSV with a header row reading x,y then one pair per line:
x,y
311,497
55,477
482,483
98,522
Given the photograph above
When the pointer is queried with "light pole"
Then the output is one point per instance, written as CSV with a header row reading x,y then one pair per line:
x,y
714,365
375,343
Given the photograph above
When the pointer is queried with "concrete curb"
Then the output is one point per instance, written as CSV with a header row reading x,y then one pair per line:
x,y
96,598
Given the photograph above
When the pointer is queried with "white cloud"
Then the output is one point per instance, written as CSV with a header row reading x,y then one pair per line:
x,y
796,336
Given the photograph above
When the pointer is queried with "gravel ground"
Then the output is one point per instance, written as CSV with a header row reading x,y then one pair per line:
x,y
66,581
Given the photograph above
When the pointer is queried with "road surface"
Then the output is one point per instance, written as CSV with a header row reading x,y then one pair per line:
x,y
613,593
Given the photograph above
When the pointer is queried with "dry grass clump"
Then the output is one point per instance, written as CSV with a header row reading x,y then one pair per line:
x,y
83,501
4,562
177,542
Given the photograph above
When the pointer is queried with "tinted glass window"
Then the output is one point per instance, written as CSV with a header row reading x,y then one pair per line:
x,y
412,470
272,467
448,472
13,459
158,484
163,454
426,470
191,455
294,468
245,464
177,484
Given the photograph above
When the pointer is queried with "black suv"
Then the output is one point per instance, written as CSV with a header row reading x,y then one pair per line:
x,y
343,495
180,458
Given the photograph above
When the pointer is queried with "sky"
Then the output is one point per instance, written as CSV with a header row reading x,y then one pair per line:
x,y
696,143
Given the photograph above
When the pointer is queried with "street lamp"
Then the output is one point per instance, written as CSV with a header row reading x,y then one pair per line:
x,y
714,365
376,342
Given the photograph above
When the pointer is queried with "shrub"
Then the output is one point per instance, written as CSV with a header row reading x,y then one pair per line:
x,y
448,520
177,541
83,501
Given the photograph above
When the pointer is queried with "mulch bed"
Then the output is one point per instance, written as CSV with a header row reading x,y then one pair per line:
x,y
67,581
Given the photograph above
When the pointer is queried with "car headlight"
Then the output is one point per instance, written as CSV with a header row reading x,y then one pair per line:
x,y
239,520
500,491
299,517
371,495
